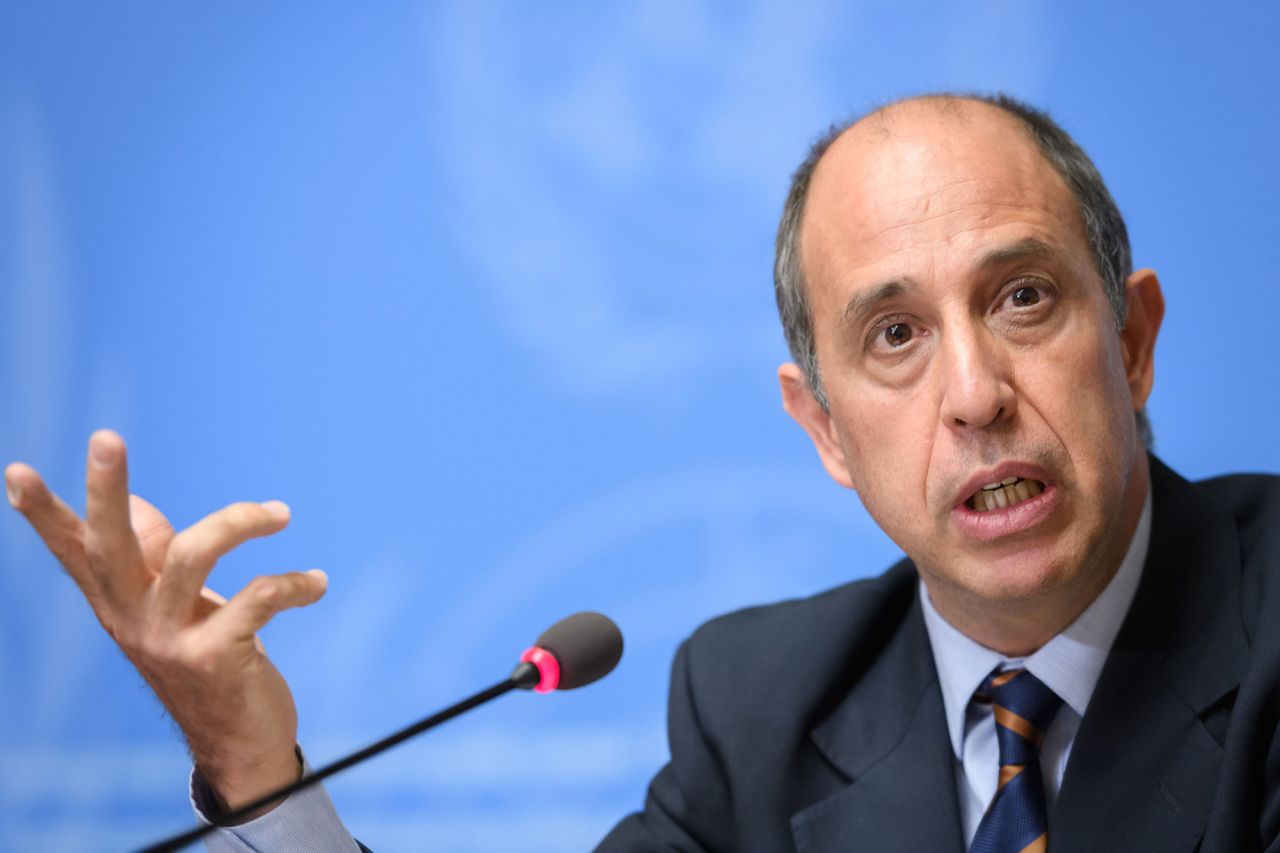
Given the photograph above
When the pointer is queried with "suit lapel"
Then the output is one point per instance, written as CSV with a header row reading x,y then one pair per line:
x,y
1143,768
889,737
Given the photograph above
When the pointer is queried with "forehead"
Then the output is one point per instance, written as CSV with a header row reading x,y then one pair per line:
x,y
922,189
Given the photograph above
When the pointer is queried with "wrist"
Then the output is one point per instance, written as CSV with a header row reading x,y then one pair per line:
x,y
234,787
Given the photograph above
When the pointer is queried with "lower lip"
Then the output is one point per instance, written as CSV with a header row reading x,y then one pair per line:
x,y
1006,521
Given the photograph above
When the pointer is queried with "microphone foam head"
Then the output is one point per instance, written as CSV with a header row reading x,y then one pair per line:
x,y
587,645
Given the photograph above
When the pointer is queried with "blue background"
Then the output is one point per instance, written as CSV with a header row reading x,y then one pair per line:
x,y
483,291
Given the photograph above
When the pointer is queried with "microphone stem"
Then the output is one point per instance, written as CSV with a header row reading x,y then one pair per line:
x,y
519,678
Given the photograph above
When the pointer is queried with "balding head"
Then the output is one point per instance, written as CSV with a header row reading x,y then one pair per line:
x,y
919,127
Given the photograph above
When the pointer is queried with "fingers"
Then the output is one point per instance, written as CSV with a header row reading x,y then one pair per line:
x,y
252,608
125,542
109,541
152,530
193,552
56,523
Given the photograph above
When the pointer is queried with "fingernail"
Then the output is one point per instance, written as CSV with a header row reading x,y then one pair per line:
x,y
102,452
12,492
320,574
276,508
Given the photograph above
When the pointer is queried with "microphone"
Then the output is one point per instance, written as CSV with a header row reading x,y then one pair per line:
x,y
574,652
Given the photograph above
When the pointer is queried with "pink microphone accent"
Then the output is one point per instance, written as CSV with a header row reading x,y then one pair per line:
x,y
548,668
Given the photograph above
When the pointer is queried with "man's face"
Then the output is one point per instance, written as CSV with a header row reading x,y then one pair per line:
x,y
965,339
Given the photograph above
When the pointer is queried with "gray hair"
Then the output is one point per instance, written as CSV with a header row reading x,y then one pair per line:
x,y
1104,228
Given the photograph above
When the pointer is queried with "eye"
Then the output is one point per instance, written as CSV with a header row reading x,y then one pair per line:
x,y
893,335
1025,305
1027,296
897,334
1024,297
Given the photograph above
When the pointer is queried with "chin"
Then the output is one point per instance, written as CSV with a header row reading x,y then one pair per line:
x,y
1016,578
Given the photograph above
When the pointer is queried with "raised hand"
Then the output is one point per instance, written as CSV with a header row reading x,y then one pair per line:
x,y
198,651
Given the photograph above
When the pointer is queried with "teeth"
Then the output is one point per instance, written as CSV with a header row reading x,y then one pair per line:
x,y
1011,492
1007,481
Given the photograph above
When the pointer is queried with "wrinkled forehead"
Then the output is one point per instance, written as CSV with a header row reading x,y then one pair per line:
x,y
926,173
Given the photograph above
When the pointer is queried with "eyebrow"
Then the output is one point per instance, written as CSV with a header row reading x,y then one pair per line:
x,y
869,300
1028,248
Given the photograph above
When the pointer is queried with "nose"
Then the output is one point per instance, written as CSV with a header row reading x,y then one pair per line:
x,y
977,389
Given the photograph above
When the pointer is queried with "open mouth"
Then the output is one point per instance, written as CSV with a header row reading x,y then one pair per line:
x,y
1010,491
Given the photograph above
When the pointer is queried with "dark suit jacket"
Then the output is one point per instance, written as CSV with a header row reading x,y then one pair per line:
x,y
818,725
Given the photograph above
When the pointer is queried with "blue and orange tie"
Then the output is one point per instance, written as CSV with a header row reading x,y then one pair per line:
x,y
1016,821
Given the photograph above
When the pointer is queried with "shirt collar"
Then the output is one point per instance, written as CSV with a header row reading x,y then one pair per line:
x,y
1069,664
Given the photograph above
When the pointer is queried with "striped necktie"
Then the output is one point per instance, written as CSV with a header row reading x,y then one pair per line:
x,y
1016,822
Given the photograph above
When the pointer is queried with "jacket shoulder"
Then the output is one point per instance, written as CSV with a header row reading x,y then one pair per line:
x,y
1238,512
753,630
799,647
1251,500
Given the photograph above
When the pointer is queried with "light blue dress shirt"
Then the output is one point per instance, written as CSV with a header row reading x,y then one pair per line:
x,y
1069,665
306,822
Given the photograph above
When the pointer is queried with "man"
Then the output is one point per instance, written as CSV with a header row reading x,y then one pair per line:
x,y
1077,651
973,354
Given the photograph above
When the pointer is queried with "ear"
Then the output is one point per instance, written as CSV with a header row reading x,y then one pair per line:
x,y
1144,311
800,403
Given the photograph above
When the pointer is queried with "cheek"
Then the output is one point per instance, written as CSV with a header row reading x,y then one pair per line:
x,y
1083,395
887,445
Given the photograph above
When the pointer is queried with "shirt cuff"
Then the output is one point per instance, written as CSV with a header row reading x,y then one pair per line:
x,y
306,822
